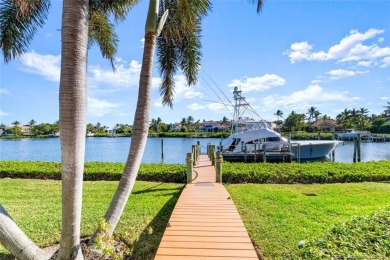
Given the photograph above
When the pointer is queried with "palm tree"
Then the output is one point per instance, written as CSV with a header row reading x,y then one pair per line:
x,y
16,123
363,117
190,121
354,116
19,21
183,123
279,114
178,47
386,112
311,112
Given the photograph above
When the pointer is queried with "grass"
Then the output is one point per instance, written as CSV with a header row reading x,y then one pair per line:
x,y
277,217
35,205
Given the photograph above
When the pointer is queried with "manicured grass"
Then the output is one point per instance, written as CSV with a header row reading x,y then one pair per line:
x,y
279,216
35,205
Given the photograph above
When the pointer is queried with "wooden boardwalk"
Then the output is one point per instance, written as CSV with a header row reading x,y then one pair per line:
x,y
205,223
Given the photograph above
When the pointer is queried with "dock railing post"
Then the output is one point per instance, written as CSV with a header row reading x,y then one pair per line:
x,y
358,147
162,149
194,154
218,167
198,144
354,151
212,153
254,152
189,161
246,152
299,153
264,148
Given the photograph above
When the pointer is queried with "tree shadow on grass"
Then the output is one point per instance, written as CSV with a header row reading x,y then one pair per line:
x,y
153,189
149,240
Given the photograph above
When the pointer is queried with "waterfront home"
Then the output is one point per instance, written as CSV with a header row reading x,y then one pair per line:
x,y
327,125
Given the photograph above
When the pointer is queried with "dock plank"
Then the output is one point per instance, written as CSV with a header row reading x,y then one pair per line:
x,y
205,223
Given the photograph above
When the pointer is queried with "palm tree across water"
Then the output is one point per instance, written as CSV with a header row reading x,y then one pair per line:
x,y
279,114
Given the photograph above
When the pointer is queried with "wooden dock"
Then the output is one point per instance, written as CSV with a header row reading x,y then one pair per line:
x,y
205,223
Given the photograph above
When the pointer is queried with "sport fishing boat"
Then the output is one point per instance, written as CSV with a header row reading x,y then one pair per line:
x,y
251,139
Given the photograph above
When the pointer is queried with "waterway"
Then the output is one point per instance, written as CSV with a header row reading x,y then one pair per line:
x,y
116,149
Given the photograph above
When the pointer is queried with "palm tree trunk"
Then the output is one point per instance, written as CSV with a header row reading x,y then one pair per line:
x,y
16,242
139,137
73,102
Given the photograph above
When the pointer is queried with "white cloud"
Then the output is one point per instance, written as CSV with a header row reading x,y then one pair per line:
x,y
2,113
99,107
143,42
313,94
350,48
124,76
214,107
3,91
258,83
47,66
183,91
385,98
340,73
195,107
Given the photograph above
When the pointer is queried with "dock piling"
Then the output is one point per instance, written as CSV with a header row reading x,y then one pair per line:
x,y
189,161
218,167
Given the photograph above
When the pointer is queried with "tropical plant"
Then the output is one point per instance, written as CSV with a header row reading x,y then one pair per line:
x,y
311,112
363,117
279,114
386,112
16,123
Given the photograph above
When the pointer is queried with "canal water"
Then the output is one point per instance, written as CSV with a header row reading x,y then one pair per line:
x,y
116,149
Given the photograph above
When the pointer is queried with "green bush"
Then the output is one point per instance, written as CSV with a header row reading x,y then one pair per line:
x,y
316,172
360,238
287,173
93,171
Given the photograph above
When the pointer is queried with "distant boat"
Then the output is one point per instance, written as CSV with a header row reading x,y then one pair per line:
x,y
252,138
352,135
90,134
54,134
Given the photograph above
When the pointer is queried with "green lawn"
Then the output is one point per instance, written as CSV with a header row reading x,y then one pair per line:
x,y
35,205
279,216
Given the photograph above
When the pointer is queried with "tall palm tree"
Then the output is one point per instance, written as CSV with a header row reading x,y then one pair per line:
x,y
279,114
19,21
363,117
16,123
178,47
386,112
311,112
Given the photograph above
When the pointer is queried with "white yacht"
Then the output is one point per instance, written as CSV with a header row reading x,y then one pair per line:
x,y
252,139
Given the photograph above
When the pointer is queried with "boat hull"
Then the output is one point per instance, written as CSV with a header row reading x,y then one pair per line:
x,y
305,150
311,150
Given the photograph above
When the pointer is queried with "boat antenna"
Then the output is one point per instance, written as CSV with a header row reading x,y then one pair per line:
x,y
218,88
221,101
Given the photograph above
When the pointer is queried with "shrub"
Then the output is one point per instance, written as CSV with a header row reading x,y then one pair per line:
x,y
365,237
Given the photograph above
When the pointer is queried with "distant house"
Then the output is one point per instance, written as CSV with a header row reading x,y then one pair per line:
x,y
214,126
176,127
327,125
24,128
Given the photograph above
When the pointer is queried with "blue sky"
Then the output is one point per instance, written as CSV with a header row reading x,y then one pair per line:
x,y
295,54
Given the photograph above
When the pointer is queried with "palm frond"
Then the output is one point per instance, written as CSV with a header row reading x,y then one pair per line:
x,y
183,16
118,8
19,21
259,5
167,60
190,55
101,31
